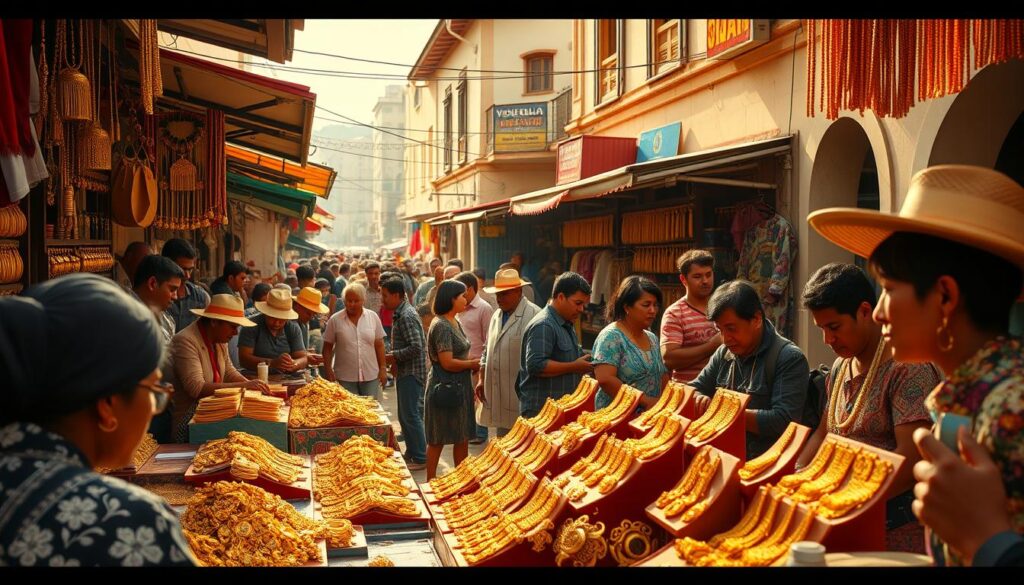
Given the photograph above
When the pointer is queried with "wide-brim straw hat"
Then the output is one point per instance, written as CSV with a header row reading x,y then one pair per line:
x,y
506,279
311,298
278,305
228,308
971,205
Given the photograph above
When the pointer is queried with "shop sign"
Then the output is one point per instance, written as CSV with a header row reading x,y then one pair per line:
x,y
570,161
730,36
520,127
659,143
492,231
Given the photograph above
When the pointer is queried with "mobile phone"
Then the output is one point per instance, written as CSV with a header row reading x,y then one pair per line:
x,y
946,428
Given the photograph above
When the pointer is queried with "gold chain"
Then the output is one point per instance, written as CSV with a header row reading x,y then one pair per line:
x,y
836,421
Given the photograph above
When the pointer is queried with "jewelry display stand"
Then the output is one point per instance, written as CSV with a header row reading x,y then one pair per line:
x,y
722,511
567,457
378,520
541,466
733,438
583,401
684,408
524,438
783,466
437,508
300,489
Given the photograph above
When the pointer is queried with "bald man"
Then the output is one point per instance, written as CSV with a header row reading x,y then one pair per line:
x,y
128,263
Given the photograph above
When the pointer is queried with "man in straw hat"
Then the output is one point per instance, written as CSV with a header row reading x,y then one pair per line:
x,y
951,266
499,364
275,338
308,305
201,360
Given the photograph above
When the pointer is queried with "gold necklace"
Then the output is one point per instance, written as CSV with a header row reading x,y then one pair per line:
x,y
688,480
764,555
685,500
767,459
723,419
869,473
790,483
836,422
735,545
716,403
830,480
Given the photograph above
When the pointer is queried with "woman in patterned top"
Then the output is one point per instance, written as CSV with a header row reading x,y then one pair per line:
x,y
91,410
626,351
950,268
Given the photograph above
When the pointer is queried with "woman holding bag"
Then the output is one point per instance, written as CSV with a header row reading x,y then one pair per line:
x,y
449,417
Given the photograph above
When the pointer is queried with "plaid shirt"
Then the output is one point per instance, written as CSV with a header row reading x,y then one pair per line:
x,y
408,343
547,337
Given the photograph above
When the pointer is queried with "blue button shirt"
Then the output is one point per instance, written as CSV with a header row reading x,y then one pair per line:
x,y
547,337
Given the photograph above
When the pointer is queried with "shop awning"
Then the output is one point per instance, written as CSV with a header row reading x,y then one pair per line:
x,y
262,113
396,245
291,202
303,245
270,38
443,219
418,217
642,174
318,179
468,214
324,212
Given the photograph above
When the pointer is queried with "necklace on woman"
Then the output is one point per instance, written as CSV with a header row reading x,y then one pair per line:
x,y
835,420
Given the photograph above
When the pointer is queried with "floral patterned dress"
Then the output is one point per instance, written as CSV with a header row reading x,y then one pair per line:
x,y
989,388
640,369
55,511
769,249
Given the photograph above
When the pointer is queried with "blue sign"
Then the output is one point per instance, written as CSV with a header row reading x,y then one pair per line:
x,y
659,143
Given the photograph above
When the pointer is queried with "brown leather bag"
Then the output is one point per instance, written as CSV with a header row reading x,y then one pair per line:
x,y
133,190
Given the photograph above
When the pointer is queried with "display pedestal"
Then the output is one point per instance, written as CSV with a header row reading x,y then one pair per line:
x,y
732,439
639,430
722,513
567,457
359,547
300,489
441,522
783,466
275,433
320,440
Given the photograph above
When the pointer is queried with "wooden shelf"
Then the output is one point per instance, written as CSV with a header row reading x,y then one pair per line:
x,y
53,242
9,243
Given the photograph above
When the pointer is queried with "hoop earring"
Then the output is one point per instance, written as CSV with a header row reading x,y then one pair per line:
x,y
112,426
948,346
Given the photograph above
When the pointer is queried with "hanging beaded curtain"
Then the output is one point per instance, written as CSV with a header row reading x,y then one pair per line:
x,y
181,145
216,209
872,63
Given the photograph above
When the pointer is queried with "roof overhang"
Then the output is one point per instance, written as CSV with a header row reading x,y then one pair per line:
x,y
312,177
270,38
438,47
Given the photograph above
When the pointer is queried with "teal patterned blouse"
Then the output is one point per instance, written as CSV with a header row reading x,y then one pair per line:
x,y
640,369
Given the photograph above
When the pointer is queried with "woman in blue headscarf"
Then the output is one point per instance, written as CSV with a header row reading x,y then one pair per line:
x,y
80,363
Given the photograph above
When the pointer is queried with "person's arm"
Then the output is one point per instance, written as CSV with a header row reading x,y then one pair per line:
x,y
382,368
904,479
329,360
298,347
678,357
412,332
188,369
540,344
788,394
452,364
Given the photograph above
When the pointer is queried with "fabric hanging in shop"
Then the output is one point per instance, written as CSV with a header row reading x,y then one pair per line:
x,y
22,165
415,245
747,216
766,262
216,168
603,286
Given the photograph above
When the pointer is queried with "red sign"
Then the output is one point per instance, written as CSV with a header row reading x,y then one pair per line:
x,y
586,156
570,161
732,35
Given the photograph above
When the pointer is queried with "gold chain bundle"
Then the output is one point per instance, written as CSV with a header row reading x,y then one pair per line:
x,y
603,468
588,233
465,473
689,495
670,400
247,453
485,539
658,225
756,466
359,456
237,524
721,413
583,392
496,493
322,404
546,417
599,421
821,480
538,452
659,259
658,438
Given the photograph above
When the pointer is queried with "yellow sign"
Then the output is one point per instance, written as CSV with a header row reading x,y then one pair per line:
x,y
732,35
519,141
492,231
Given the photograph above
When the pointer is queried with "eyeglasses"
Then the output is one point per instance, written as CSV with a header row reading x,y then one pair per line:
x,y
160,393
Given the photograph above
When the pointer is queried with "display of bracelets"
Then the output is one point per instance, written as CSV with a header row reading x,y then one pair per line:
x,y
546,417
570,435
692,489
250,456
590,232
755,467
322,404
63,260
665,426
519,431
238,524
470,469
489,537
13,222
96,259
658,225
671,400
538,452
720,415
12,267
585,390
658,259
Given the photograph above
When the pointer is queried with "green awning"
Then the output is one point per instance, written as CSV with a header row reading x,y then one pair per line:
x,y
284,200
300,244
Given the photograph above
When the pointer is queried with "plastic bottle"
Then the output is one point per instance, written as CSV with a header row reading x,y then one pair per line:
x,y
806,554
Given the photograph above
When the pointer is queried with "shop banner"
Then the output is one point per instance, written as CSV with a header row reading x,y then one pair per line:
x,y
659,143
520,127
729,36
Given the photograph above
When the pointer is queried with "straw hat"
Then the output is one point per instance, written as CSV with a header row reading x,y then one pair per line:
x,y
310,298
278,304
506,279
228,308
970,205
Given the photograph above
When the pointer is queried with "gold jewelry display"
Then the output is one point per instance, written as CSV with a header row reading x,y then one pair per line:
x,y
669,401
546,417
631,542
719,415
584,391
323,404
249,457
380,561
790,483
659,438
147,446
869,473
515,435
756,466
487,538
238,524
688,480
467,472
580,541
766,554
601,420
682,500
827,482
360,476
538,453
836,421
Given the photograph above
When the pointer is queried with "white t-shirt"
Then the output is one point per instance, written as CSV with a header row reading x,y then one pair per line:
x,y
355,359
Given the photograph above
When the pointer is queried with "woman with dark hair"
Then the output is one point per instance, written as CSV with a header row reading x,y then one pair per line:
x,y
626,351
449,417
950,266
72,408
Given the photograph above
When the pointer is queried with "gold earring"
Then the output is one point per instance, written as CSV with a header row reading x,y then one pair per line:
x,y
112,426
948,346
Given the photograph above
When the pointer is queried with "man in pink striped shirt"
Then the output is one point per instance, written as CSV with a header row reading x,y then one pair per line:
x,y
688,337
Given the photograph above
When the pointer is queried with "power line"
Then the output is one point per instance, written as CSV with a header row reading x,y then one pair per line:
x,y
401,160
358,123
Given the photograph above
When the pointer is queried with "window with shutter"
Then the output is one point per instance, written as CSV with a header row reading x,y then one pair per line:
x,y
608,58
665,48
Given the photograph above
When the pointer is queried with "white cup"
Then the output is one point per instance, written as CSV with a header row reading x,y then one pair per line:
x,y
806,554
263,372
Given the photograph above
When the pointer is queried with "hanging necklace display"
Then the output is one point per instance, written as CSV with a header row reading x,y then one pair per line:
x,y
181,135
56,134
75,89
216,170
94,140
43,72
150,80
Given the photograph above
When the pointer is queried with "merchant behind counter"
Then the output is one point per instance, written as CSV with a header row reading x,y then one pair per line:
x,y
276,339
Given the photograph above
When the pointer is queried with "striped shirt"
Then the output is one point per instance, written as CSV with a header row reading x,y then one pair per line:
x,y
688,327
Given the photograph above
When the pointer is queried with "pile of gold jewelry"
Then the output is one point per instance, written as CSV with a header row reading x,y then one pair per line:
x,y
249,457
584,391
176,493
538,452
756,466
758,540
600,421
670,400
658,439
358,456
240,525
340,532
546,417
691,495
469,470
483,540
323,404
519,431
603,468
142,453
511,483
723,410
380,561
257,406
224,404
